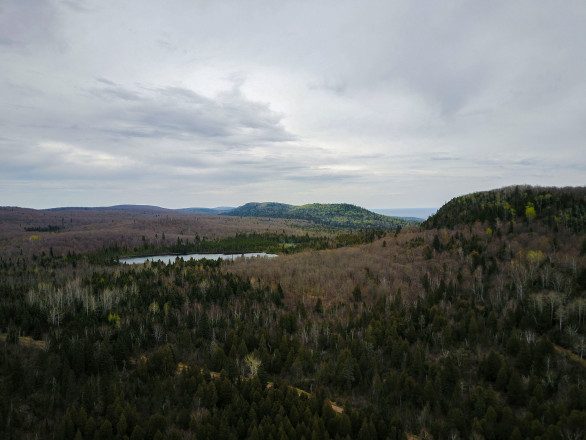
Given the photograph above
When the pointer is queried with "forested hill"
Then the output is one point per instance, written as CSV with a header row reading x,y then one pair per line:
x,y
554,207
267,209
332,215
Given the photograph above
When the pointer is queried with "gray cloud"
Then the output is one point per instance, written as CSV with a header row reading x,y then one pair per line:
x,y
112,92
25,23
175,112
383,103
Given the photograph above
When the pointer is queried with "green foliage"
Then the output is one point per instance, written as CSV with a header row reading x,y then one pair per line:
x,y
114,319
530,212
554,207
490,366
49,228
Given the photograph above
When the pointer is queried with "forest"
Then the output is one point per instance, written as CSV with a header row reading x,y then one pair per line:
x,y
468,326
332,215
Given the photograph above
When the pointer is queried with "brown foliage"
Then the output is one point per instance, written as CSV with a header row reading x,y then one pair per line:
x,y
88,230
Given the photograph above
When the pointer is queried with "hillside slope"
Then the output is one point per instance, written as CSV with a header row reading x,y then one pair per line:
x,y
555,207
337,215
266,209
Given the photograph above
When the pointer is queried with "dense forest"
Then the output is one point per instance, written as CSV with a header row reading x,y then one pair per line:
x,y
556,207
470,326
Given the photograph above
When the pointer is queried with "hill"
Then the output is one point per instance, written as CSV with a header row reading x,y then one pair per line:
x,y
555,207
337,215
266,209
199,210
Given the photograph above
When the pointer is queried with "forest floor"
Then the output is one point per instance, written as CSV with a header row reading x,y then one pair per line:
x,y
27,341
338,409
573,356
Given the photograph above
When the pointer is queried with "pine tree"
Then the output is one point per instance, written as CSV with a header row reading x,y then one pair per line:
x,y
515,390
105,431
121,426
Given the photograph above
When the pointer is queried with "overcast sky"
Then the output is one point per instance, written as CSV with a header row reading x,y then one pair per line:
x,y
383,104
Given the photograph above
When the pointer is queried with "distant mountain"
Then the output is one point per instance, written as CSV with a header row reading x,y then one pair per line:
x,y
340,215
413,219
218,210
128,208
556,207
145,208
418,214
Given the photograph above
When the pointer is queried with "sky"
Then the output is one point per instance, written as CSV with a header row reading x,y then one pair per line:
x,y
383,104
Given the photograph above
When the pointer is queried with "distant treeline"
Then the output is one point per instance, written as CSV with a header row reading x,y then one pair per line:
x,y
253,242
49,228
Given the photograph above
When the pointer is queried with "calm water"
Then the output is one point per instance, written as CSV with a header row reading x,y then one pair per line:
x,y
171,258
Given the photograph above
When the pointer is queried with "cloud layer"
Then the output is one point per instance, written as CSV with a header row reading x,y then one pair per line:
x,y
199,103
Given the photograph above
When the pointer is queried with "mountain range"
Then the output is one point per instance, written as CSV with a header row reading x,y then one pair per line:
x,y
335,215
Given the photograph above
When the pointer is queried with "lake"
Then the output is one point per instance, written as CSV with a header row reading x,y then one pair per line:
x,y
167,259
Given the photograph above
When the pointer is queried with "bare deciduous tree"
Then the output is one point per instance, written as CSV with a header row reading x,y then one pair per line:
x,y
253,363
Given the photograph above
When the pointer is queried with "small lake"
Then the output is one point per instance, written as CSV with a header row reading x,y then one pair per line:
x,y
167,259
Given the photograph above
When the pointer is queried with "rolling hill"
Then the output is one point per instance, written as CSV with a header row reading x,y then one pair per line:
x,y
332,215
337,215
555,207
